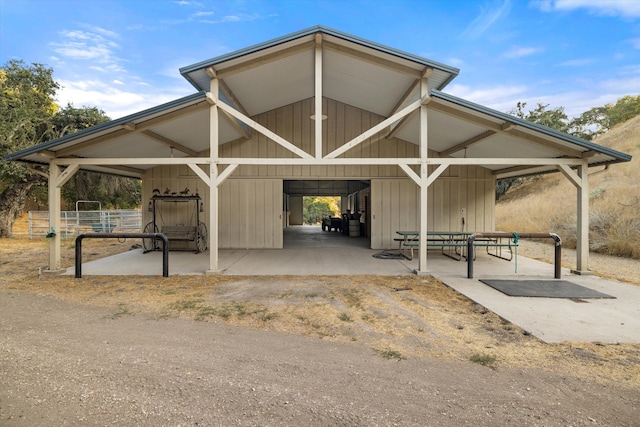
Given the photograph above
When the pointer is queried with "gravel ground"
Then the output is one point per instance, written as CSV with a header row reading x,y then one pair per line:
x,y
319,351
612,267
80,365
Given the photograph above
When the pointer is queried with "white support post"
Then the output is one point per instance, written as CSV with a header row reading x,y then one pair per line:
x,y
54,218
213,176
582,229
424,185
318,97
424,205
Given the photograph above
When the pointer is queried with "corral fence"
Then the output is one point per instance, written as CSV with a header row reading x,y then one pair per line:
x,y
74,223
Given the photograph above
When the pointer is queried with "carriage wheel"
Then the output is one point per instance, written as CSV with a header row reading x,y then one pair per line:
x,y
150,244
202,241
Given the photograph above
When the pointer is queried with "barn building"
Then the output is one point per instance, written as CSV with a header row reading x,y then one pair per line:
x,y
319,112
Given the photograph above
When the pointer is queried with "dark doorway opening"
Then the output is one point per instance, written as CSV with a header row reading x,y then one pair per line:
x,y
326,213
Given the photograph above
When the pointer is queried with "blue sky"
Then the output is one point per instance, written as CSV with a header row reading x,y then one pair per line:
x,y
123,56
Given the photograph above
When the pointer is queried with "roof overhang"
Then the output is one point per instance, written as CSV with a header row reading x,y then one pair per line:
x,y
176,129
354,72
279,72
458,128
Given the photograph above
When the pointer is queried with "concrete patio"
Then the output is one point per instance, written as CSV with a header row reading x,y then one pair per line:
x,y
310,251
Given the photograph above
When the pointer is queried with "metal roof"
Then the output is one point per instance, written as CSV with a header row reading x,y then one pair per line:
x,y
356,72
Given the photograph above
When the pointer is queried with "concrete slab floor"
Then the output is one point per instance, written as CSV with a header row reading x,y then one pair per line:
x,y
313,252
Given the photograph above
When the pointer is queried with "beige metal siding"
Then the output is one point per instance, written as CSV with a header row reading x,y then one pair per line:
x,y
293,123
296,213
175,178
251,202
395,205
251,214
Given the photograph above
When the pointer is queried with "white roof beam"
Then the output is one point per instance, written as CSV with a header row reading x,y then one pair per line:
x,y
393,130
69,151
374,130
237,124
168,142
269,57
373,60
468,143
313,161
259,128
498,127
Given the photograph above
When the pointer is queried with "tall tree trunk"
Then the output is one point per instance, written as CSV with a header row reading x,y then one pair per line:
x,y
12,202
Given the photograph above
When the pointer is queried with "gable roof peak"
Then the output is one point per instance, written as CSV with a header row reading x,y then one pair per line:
x,y
193,72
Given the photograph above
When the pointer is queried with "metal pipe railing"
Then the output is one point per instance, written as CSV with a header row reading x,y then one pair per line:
x,y
558,247
158,236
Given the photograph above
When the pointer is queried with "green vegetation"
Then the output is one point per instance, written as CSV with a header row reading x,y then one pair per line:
x,y
195,307
345,317
483,359
123,310
391,354
588,125
316,208
29,116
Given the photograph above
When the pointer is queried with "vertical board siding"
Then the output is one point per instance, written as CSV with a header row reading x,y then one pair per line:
x,y
395,206
251,214
250,209
176,178
343,123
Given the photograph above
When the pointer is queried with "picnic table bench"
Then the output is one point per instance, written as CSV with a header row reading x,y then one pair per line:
x,y
453,244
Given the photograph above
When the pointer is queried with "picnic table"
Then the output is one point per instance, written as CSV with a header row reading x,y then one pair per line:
x,y
453,244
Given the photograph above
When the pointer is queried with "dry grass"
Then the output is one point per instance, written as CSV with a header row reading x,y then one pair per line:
x,y
548,204
397,317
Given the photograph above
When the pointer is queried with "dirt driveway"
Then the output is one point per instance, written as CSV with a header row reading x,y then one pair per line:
x,y
286,351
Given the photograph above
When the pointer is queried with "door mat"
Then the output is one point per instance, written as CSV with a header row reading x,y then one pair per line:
x,y
543,288
388,255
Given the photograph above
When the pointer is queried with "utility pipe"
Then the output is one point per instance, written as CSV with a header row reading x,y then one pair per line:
x,y
554,236
158,236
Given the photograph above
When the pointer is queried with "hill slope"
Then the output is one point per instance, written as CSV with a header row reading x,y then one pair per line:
x,y
548,203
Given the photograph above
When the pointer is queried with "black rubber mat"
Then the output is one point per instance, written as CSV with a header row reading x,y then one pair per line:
x,y
543,288
388,255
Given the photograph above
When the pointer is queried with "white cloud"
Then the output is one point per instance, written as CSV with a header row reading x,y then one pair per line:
x,y
454,61
635,43
522,51
76,50
88,46
232,18
624,8
583,62
115,101
487,17
501,98
584,95
188,3
198,14
102,31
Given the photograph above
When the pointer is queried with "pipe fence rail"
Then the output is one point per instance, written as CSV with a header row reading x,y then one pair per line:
x,y
157,236
497,235
73,223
